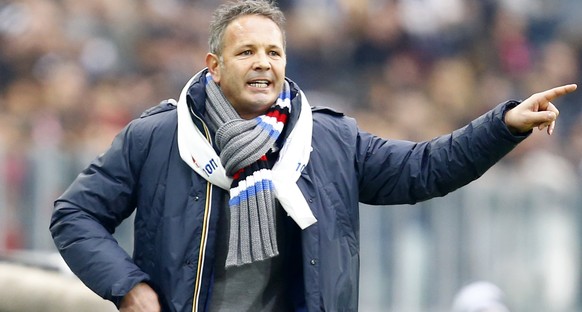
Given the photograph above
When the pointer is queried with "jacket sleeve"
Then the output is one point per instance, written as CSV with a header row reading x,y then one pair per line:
x,y
403,172
88,212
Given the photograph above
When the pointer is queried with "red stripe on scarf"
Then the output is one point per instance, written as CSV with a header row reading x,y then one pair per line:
x,y
237,174
280,115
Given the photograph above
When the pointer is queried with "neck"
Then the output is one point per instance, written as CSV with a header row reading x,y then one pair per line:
x,y
251,115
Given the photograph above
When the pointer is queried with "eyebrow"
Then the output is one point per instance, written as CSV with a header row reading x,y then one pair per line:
x,y
250,45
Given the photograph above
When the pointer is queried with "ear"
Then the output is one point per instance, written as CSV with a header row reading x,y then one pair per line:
x,y
213,64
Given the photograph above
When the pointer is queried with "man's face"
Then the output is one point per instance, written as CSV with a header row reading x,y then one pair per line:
x,y
251,71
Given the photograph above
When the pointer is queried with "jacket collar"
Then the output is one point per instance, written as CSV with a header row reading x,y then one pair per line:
x,y
196,97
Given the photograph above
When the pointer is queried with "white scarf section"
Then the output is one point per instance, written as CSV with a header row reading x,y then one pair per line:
x,y
196,150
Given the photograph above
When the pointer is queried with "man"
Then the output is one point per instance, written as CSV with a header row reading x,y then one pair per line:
x,y
247,198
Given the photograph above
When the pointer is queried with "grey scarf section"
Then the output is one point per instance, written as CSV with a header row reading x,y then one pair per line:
x,y
241,143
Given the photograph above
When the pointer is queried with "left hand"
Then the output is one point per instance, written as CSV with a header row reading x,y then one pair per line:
x,y
141,298
536,111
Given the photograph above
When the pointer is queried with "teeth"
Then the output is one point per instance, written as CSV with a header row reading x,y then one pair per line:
x,y
259,84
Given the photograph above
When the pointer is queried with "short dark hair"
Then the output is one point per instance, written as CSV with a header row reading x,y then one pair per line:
x,y
228,12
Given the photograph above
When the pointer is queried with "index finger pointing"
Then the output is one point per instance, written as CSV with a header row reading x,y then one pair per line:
x,y
556,92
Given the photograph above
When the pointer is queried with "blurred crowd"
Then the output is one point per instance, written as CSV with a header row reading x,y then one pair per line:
x,y
73,73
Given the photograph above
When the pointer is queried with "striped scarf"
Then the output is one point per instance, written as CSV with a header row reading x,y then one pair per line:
x,y
244,145
199,154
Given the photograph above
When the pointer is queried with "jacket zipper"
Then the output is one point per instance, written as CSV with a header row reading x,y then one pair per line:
x,y
202,254
204,236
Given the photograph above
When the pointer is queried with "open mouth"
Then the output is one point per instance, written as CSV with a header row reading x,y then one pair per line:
x,y
259,83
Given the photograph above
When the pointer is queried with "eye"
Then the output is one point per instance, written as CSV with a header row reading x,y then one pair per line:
x,y
246,52
274,53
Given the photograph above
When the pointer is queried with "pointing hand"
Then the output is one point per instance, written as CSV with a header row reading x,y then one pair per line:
x,y
537,111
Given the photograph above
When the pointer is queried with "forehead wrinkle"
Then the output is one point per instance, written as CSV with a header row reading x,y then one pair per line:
x,y
246,35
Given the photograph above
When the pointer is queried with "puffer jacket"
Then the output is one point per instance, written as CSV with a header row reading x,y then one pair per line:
x,y
177,214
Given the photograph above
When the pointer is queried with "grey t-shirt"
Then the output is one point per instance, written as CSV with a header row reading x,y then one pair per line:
x,y
259,286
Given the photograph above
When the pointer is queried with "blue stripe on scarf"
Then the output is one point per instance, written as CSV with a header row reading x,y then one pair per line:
x,y
250,191
273,133
285,94
259,186
234,201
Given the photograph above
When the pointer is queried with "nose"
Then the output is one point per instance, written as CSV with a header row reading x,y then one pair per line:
x,y
262,62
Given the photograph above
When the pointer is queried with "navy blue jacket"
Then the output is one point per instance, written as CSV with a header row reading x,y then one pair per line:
x,y
176,216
